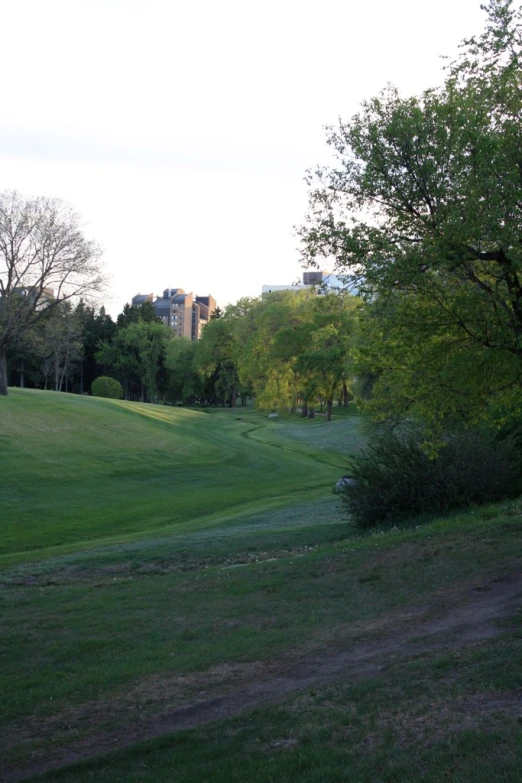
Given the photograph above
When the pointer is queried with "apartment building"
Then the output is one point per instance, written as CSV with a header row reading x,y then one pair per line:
x,y
182,312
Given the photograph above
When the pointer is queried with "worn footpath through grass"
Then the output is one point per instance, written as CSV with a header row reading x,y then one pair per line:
x,y
269,645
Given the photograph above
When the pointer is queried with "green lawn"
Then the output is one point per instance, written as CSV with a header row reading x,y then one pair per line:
x,y
77,469
102,642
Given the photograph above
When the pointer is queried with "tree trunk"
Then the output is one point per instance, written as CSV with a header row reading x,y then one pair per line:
x,y
329,405
243,400
81,377
311,413
233,399
64,372
22,375
304,410
3,371
152,387
345,396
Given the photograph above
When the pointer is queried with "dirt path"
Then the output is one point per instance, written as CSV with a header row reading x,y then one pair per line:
x,y
449,622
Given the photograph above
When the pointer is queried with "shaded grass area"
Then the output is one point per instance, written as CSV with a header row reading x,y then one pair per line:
x,y
411,723
344,436
78,469
115,635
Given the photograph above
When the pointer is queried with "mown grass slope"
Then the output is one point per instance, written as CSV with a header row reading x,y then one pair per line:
x,y
77,469
309,652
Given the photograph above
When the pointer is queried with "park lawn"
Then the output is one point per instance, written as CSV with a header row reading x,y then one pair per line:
x,y
100,641
324,440
97,641
413,724
76,470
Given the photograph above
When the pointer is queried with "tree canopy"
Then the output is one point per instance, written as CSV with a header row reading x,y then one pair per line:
x,y
424,209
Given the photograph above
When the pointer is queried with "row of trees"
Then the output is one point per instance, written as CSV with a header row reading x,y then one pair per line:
x,y
69,347
60,350
287,349
284,349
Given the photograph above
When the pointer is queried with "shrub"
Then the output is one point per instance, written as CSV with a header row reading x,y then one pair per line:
x,y
107,387
396,478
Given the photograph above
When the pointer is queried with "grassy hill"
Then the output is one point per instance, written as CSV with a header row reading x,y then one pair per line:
x,y
262,641
79,469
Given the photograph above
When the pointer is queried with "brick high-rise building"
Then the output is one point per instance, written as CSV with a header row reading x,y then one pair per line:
x,y
185,314
202,309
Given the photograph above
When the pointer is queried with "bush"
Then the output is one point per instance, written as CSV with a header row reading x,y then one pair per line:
x,y
107,387
396,478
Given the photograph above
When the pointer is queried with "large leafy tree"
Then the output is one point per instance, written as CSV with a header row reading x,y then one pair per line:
x,y
133,348
327,358
131,314
184,383
136,353
96,327
45,261
297,347
216,361
269,338
424,207
147,341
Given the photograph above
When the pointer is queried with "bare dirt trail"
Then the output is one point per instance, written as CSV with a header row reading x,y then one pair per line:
x,y
450,621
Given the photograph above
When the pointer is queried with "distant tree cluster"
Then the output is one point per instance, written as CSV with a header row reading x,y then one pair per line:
x,y
287,349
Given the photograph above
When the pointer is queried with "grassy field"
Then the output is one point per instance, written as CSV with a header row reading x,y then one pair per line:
x,y
259,640
79,470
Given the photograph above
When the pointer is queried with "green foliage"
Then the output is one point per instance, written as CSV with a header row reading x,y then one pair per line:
x,y
425,209
215,361
107,387
146,340
297,346
396,476
327,357
136,354
96,327
184,382
132,315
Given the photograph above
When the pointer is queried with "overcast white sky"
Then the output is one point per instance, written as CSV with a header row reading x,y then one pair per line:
x,y
181,130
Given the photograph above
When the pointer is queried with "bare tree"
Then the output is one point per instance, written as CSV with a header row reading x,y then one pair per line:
x,y
61,342
44,260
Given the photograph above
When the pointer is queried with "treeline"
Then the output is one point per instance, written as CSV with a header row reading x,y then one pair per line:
x,y
287,349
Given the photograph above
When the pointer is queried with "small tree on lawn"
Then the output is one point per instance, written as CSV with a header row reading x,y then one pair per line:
x,y
107,387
